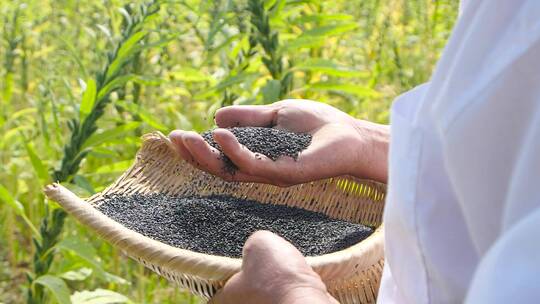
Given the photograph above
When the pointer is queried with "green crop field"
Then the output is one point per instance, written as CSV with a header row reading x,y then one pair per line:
x,y
81,81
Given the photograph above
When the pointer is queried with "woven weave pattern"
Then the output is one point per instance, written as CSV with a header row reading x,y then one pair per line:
x,y
352,275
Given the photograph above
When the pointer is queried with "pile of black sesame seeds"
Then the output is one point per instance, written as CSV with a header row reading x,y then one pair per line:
x,y
270,142
220,225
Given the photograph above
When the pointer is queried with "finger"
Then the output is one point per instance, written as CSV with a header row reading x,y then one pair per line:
x,y
206,158
246,178
242,116
266,249
217,298
176,138
232,292
247,161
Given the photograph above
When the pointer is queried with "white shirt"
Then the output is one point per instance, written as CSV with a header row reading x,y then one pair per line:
x,y
462,217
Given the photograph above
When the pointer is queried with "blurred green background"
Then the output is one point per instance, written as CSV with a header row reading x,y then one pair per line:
x,y
81,81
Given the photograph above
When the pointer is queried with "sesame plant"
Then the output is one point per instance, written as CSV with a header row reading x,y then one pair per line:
x,y
11,36
95,99
268,39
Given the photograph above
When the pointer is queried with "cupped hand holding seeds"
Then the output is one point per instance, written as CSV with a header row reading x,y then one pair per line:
x,y
340,144
273,272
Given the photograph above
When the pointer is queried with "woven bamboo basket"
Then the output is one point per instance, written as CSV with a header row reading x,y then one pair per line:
x,y
352,275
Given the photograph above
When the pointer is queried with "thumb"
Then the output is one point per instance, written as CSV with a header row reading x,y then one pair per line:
x,y
271,269
271,251
218,297
230,293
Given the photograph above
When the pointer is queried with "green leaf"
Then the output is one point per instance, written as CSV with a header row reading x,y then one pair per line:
x,y
56,286
101,152
232,80
217,49
88,98
105,30
319,35
227,82
323,18
82,182
21,113
114,84
111,278
122,80
277,8
328,67
148,80
331,30
304,42
37,164
125,52
100,138
120,166
10,134
8,86
268,4
357,90
88,255
144,115
82,250
190,75
126,15
75,55
80,274
6,197
271,91
98,296
148,119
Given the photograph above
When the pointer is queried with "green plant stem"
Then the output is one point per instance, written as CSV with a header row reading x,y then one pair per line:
x,y
52,223
12,40
269,41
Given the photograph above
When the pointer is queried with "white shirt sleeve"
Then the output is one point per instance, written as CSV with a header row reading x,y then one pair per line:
x,y
508,273
463,205
487,108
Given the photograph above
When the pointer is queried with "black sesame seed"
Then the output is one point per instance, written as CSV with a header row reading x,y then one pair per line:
x,y
220,225
270,142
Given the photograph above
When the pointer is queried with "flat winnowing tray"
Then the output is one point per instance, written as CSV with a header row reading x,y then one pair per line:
x,y
352,275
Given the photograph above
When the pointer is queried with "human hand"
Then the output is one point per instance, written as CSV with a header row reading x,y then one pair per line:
x,y
273,272
341,144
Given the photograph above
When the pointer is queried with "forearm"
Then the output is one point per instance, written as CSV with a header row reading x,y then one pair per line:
x,y
372,151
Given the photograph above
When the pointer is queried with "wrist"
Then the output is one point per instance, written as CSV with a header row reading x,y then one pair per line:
x,y
371,150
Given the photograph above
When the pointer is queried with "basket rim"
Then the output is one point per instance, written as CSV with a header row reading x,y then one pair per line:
x,y
203,265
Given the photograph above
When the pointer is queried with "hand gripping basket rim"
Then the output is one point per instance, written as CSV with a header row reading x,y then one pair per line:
x,y
352,275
